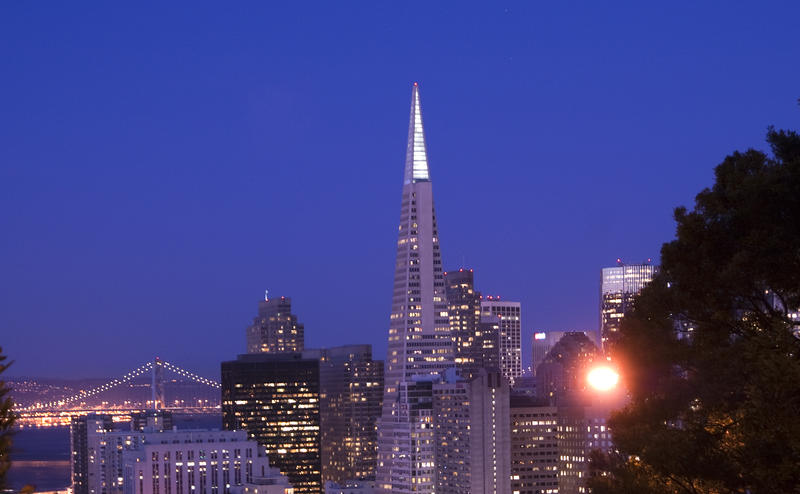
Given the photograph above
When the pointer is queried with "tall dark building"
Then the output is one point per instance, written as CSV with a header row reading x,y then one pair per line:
x,y
276,399
351,385
564,367
475,343
275,329
534,446
83,477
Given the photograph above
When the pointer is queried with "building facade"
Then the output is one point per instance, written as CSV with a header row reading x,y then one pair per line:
x,y
147,459
564,368
475,345
583,428
507,318
619,286
534,446
87,476
195,462
419,341
541,343
276,399
471,421
351,392
275,329
350,487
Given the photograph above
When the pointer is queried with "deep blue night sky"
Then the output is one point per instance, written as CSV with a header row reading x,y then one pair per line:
x,y
162,165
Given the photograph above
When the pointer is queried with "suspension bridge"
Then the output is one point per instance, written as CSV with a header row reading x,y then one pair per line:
x,y
60,409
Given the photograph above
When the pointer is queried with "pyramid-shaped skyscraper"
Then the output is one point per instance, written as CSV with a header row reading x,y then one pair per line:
x,y
420,345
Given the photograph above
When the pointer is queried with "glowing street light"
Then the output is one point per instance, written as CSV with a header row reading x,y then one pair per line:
x,y
603,378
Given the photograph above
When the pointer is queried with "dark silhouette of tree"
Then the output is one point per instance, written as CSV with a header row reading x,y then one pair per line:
x,y
719,410
6,423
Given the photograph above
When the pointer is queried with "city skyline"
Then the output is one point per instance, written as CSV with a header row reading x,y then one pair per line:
x,y
129,224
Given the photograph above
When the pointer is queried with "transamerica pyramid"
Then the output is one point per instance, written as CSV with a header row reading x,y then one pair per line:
x,y
420,345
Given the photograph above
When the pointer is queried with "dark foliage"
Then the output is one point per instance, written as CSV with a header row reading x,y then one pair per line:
x,y
720,411
6,423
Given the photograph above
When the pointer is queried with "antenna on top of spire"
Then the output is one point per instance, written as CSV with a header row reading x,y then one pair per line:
x,y
416,151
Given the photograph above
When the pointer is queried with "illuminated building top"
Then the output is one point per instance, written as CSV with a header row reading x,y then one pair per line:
x,y
416,152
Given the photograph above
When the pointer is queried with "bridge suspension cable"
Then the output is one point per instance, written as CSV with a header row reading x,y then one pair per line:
x,y
142,369
190,375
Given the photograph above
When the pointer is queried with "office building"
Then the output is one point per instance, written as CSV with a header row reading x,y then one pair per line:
x,y
505,318
195,462
350,487
146,459
583,428
565,366
534,446
541,343
419,341
351,391
275,329
276,399
87,477
471,421
475,345
158,420
619,287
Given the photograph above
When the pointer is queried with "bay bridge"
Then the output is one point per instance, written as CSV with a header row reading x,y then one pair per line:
x,y
59,411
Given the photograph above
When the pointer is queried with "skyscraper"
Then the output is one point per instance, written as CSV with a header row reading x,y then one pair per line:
x,y
87,476
351,390
471,421
541,343
508,318
276,399
619,287
563,369
534,446
275,329
475,345
419,328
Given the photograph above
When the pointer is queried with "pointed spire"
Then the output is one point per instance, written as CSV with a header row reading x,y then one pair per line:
x,y
416,152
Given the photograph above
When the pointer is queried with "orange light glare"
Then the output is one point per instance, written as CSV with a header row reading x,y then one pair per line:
x,y
603,378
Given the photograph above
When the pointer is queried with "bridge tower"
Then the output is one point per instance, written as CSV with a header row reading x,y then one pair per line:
x,y
157,385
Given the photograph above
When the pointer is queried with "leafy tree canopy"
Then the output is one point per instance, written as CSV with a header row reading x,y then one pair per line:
x,y
718,411
6,422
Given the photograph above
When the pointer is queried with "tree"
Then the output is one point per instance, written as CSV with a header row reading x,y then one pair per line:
x,y
718,411
6,423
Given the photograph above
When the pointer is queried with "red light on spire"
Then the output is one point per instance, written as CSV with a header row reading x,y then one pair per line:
x,y
415,84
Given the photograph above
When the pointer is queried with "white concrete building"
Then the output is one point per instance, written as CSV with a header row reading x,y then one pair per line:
x,y
471,421
180,462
